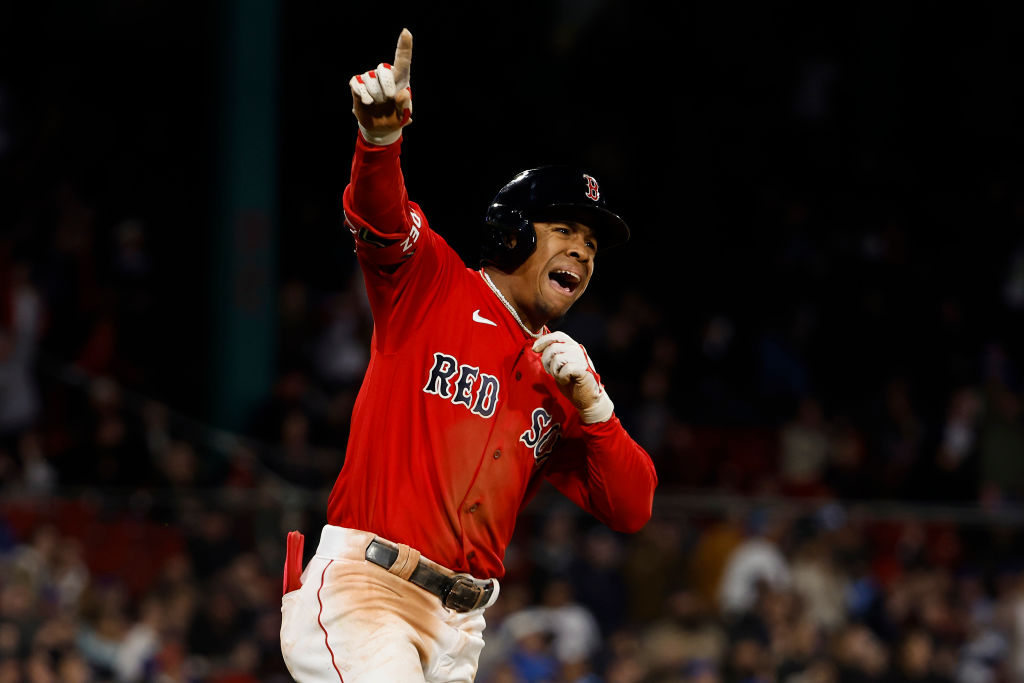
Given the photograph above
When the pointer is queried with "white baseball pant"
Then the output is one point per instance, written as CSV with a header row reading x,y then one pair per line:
x,y
354,622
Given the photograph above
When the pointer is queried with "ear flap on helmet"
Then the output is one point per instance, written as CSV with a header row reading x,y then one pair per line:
x,y
509,238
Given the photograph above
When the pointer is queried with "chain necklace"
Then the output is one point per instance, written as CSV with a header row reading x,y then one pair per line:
x,y
487,279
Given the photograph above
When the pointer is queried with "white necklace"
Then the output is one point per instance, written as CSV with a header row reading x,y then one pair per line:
x,y
487,279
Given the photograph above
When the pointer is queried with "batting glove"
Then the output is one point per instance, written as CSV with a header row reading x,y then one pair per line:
x,y
567,361
381,98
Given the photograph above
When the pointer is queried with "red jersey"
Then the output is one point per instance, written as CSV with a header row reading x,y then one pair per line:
x,y
457,423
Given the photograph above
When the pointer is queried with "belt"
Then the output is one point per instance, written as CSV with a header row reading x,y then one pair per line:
x,y
459,592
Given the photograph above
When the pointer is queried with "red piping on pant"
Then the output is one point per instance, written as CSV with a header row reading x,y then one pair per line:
x,y
324,572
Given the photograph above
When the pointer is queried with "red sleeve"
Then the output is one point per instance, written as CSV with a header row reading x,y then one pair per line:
x,y
405,264
377,209
607,473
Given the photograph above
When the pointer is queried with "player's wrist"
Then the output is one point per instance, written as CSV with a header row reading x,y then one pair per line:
x,y
600,410
382,139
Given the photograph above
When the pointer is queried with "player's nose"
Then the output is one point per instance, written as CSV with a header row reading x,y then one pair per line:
x,y
578,249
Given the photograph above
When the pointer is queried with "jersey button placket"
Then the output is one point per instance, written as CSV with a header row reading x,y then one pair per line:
x,y
473,508
497,454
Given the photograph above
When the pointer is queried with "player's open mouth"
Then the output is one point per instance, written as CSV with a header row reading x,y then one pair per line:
x,y
564,281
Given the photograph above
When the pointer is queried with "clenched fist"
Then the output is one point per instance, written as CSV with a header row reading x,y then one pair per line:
x,y
567,361
381,98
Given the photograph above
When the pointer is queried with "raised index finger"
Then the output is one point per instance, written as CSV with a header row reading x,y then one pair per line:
x,y
403,59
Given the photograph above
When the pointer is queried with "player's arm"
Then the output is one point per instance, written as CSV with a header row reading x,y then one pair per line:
x,y
377,209
604,471
405,264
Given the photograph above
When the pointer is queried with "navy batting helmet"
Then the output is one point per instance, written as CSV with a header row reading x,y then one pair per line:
x,y
549,193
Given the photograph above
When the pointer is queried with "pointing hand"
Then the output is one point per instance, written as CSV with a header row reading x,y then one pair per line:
x,y
381,97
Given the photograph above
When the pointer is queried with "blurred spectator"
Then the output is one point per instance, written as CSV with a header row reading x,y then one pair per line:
x,y
897,439
859,655
598,581
10,670
756,561
655,565
553,549
531,657
915,660
576,637
1002,443
848,476
955,463
213,545
38,474
820,584
134,277
701,672
686,637
804,451
341,349
141,642
624,659
747,659
1013,288
712,552
800,653
296,324
217,627
21,323
106,624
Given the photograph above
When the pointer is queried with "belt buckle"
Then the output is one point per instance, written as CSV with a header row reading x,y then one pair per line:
x,y
463,594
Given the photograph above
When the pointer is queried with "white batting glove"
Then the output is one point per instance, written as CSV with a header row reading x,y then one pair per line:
x,y
567,361
381,98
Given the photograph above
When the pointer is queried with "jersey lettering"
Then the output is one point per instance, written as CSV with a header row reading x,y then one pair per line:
x,y
467,375
442,371
463,384
486,396
414,232
541,438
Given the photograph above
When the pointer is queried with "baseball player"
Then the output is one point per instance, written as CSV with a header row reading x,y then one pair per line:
x,y
469,402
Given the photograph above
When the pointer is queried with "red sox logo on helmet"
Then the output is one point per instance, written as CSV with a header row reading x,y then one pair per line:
x,y
592,190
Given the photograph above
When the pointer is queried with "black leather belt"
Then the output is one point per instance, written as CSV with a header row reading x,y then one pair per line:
x,y
459,592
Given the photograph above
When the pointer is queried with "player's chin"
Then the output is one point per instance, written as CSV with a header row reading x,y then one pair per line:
x,y
558,305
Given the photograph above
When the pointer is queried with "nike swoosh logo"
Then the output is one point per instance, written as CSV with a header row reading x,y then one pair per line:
x,y
477,318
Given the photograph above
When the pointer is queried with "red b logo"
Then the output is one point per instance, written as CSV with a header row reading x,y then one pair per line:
x,y
592,191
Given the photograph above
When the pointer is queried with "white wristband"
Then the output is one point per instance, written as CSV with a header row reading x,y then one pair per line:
x,y
382,140
601,411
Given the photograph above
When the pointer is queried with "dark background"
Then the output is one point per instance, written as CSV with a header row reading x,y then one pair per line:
x,y
756,152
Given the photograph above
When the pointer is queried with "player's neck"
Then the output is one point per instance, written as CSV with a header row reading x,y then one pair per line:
x,y
503,282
